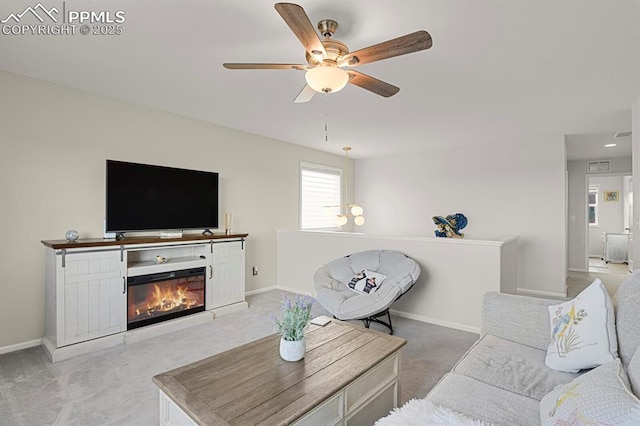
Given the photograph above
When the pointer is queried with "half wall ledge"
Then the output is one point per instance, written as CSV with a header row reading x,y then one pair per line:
x,y
455,272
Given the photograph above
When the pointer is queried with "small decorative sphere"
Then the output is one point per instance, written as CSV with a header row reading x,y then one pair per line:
x,y
71,235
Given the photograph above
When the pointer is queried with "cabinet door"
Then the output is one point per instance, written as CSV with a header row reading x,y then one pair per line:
x,y
227,274
93,297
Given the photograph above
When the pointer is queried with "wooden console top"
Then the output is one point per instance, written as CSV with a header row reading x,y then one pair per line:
x,y
98,242
251,384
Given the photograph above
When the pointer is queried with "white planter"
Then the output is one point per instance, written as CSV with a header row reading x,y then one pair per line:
x,y
292,350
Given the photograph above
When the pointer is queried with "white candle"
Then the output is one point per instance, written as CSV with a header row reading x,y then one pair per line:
x,y
228,221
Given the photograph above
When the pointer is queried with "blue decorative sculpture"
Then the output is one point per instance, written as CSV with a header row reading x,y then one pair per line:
x,y
450,226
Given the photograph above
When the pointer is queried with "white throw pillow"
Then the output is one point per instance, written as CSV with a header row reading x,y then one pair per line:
x,y
366,282
598,397
583,333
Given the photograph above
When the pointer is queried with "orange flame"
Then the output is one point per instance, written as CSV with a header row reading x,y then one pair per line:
x,y
167,298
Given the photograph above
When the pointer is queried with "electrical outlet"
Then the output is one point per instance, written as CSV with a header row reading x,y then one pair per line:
x,y
255,271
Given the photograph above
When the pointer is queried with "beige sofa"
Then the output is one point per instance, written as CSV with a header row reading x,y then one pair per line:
x,y
503,377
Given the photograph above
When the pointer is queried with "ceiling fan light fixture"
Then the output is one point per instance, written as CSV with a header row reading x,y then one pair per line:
x,y
327,79
326,57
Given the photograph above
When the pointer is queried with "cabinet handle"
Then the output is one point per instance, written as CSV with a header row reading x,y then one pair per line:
x,y
124,285
210,271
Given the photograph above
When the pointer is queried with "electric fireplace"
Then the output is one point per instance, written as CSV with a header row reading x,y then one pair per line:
x,y
160,297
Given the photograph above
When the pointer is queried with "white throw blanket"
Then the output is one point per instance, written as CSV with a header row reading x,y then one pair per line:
x,y
420,412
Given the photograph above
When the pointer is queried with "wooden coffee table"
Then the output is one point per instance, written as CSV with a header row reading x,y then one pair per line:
x,y
350,375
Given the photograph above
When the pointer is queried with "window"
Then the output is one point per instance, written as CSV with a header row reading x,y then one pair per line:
x,y
319,187
593,204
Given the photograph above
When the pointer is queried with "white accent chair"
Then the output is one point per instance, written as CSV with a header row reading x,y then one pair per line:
x,y
332,292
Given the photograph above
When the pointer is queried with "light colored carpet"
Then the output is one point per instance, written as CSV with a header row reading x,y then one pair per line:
x,y
611,274
114,387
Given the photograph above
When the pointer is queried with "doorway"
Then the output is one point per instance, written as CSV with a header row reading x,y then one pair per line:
x,y
603,155
609,215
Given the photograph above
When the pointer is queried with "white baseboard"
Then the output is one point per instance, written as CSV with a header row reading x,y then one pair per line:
x,y
454,325
578,270
528,292
260,290
20,346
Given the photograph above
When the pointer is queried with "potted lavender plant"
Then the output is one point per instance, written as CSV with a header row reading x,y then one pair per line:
x,y
294,318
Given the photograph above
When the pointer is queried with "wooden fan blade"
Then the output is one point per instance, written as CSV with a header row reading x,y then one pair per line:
x,y
305,95
420,40
371,84
299,22
250,66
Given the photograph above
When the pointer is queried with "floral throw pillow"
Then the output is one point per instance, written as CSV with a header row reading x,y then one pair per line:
x,y
366,282
598,397
583,333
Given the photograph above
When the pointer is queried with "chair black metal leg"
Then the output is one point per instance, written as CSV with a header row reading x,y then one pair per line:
x,y
375,318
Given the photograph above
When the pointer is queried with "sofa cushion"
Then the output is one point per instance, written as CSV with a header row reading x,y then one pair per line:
x,y
484,402
583,333
521,319
633,371
511,366
600,396
627,305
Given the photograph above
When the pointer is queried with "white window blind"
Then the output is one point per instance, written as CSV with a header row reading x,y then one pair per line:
x,y
320,187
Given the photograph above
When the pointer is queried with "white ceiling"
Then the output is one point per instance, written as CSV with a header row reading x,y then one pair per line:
x,y
498,69
592,146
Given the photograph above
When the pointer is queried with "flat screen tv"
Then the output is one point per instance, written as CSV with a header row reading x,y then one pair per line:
x,y
143,197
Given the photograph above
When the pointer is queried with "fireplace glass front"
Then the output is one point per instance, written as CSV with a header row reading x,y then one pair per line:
x,y
160,297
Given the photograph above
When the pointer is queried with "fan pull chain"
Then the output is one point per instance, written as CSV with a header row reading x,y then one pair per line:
x,y
326,117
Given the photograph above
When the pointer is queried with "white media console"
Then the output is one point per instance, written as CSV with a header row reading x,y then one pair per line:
x,y
86,286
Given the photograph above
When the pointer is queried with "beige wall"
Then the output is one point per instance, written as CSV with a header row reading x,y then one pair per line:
x,y
53,146
503,187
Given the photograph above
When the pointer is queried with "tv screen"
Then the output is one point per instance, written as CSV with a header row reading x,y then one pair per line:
x,y
142,197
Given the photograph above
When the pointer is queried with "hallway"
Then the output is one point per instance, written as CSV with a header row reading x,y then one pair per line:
x,y
611,274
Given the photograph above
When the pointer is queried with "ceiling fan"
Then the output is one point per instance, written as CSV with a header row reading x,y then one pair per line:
x,y
329,60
